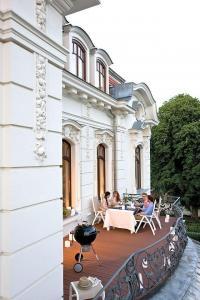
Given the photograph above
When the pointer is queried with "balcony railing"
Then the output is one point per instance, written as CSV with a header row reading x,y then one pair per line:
x,y
145,270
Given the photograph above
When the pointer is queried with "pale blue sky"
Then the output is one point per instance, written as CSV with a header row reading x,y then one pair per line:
x,y
151,41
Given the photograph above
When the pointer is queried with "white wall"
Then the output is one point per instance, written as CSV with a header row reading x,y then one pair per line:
x,y
26,9
54,24
93,122
90,120
31,220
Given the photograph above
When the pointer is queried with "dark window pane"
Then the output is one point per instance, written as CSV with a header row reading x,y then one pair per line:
x,y
138,167
101,170
101,70
80,62
66,174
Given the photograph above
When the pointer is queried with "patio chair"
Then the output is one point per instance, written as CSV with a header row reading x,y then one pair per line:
x,y
147,219
158,206
98,213
157,212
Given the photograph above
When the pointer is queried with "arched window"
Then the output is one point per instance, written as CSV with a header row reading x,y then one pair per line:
x,y
80,59
138,167
101,71
101,170
66,148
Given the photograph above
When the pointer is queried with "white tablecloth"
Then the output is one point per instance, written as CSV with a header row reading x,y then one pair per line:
x,y
120,219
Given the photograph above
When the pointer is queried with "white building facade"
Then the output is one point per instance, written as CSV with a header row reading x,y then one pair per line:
x,y
70,129
106,127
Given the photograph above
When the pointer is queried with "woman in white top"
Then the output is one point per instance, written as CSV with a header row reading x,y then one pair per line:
x,y
115,199
105,202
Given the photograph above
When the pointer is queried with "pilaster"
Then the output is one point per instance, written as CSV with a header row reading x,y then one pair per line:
x,y
119,150
32,58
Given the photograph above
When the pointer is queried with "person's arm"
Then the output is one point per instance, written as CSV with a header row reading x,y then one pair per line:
x,y
104,204
148,210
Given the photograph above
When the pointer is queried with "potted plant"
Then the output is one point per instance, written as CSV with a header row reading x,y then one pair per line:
x,y
66,212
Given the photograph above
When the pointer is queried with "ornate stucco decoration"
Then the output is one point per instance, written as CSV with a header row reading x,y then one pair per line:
x,y
71,130
104,137
72,133
41,14
40,112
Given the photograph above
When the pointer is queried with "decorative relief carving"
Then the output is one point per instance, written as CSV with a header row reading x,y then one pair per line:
x,y
104,138
41,14
40,112
72,133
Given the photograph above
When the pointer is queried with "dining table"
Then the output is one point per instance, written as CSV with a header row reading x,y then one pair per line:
x,y
120,218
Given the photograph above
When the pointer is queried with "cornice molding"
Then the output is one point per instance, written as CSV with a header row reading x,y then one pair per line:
x,y
11,33
104,131
73,123
62,6
90,94
143,93
85,121
143,88
103,53
81,32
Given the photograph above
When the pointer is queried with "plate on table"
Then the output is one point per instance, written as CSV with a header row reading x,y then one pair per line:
x,y
85,287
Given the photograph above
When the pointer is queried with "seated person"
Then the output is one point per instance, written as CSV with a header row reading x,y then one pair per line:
x,y
145,201
147,208
105,202
115,199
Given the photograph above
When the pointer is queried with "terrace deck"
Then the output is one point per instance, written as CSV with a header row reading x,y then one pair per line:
x,y
113,248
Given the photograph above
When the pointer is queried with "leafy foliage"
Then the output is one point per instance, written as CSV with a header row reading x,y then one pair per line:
x,y
175,149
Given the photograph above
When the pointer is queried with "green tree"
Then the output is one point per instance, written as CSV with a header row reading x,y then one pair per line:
x,y
175,150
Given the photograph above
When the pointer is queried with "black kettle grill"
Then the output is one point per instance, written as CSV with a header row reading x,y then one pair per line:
x,y
84,234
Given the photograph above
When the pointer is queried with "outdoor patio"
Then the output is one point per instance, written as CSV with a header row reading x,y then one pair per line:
x,y
113,248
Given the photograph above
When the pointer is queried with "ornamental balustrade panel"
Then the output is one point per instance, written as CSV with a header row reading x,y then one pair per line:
x,y
148,268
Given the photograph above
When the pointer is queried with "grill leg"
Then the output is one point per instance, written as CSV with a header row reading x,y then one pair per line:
x,y
80,254
97,258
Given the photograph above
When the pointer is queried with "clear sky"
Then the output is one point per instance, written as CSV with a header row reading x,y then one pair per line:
x,y
151,41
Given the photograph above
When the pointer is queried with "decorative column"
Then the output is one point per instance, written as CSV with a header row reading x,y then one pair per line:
x,y
119,162
146,164
133,142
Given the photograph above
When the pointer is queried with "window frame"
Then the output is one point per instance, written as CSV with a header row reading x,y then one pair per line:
x,y
69,160
76,44
100,64
138,167
101,158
